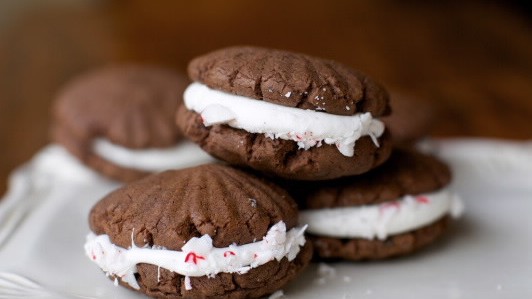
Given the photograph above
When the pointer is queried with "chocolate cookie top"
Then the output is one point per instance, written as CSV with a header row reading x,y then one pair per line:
x,y
132,106
170,208
290,79
406,172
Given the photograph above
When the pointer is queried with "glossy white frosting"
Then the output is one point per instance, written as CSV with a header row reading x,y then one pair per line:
x,y
306,127
382,220
197,257
182,155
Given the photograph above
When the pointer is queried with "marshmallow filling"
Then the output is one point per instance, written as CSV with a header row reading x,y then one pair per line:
x,y
184,154
382,220
308,128
197,257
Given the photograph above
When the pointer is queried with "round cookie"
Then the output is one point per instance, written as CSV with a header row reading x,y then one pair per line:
x,y
120,121
287,114
411,120
206,232
393,210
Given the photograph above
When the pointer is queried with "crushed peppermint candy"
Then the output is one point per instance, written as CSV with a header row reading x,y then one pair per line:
x,y
188,284
198,257
253,202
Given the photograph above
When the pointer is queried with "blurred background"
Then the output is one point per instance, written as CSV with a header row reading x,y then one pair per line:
x,y
471,60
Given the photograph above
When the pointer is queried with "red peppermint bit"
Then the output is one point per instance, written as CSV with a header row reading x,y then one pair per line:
x,y
93,256
193,257
228,253
422,199
299,137
255,256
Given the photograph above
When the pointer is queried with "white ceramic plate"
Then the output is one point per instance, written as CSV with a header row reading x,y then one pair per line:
x,y
486,254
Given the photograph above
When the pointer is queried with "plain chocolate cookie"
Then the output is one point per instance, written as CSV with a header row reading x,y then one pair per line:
x,y
291,80
170,208
268,75
130,106
407,172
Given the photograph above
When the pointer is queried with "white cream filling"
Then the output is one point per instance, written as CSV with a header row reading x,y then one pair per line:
x,y
306,127
380,221
184,154
197,257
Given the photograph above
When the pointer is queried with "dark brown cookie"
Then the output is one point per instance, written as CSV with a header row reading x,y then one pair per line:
x,y
406,172
130,106
363,249
267,74
411,120
280,157
292,80
401,184
170,208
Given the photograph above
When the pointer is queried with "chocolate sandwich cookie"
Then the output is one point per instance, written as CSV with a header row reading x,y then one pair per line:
x,y
206,232
393,210
283,113
120,121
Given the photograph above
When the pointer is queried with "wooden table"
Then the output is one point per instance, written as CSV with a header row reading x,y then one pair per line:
x,y
471,60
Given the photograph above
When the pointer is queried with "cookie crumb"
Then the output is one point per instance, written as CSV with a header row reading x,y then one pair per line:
x,y
326,271
277,294
288,94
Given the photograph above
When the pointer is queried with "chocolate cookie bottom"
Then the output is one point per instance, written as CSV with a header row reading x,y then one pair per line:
x,y
364,249
258,282
280,157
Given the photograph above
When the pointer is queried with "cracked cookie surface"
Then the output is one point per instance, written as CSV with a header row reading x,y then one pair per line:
x,y
290,79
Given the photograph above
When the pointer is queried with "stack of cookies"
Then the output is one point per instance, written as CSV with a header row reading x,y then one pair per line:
x,y
225,229
315,124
